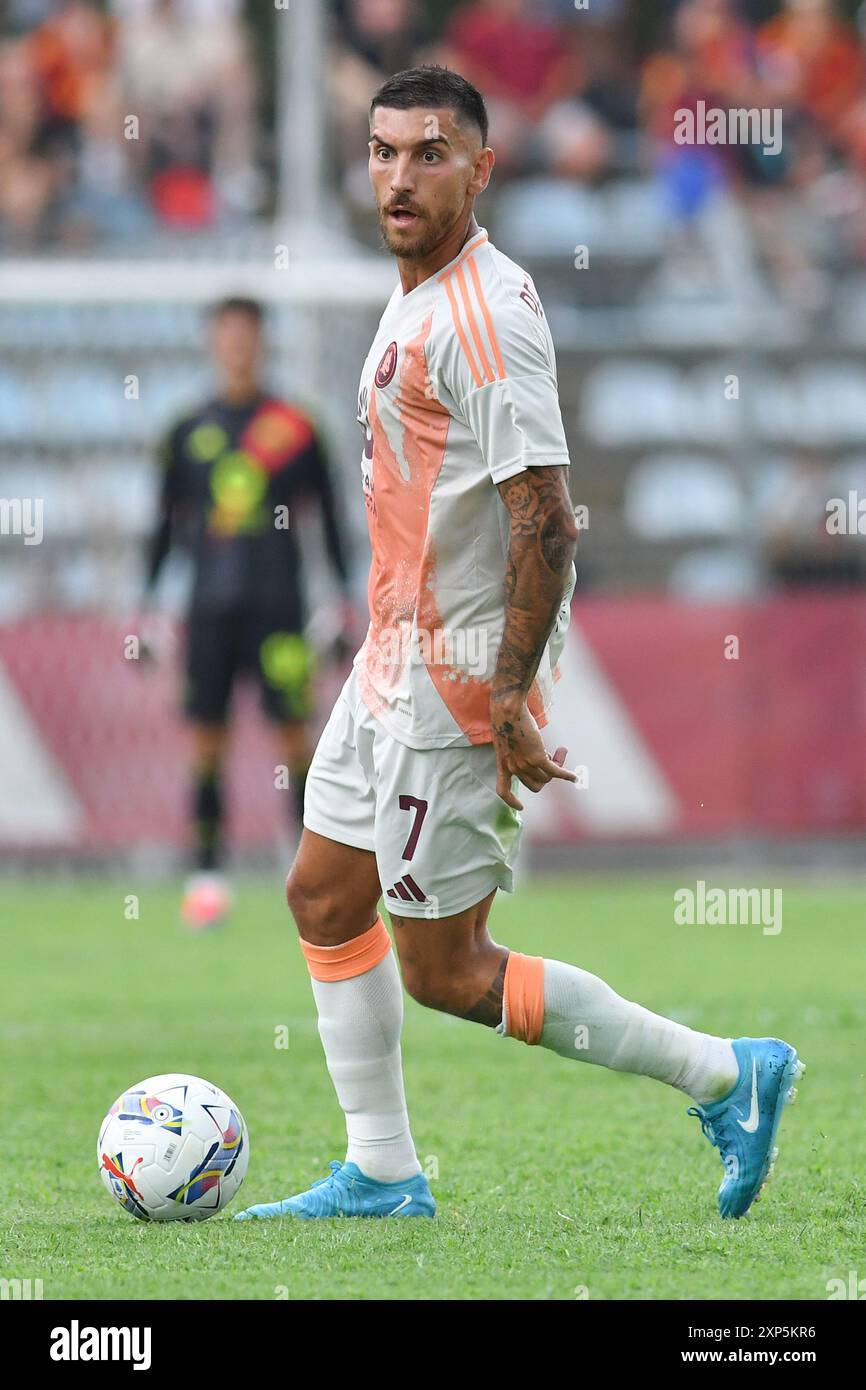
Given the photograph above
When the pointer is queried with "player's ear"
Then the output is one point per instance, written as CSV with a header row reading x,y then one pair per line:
x,y
483,169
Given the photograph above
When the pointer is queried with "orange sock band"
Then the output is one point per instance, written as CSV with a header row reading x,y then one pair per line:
x,y
353,957
524,997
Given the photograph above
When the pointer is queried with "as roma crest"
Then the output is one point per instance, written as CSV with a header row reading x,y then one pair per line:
x,y
387,366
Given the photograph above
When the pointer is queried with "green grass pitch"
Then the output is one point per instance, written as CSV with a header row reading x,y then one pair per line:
x,y
552,1178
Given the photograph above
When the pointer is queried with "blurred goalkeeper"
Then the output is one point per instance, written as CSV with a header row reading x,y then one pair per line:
x,y
233,474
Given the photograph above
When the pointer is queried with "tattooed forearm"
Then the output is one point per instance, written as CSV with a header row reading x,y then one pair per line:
x,y
540,554
488,1010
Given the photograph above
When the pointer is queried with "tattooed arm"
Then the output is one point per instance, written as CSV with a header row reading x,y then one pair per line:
x,y
540,554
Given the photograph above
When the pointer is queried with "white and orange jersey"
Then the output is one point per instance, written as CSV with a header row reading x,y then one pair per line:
x,y
458,393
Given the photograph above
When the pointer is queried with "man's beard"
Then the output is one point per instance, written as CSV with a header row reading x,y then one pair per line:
x,y
416,250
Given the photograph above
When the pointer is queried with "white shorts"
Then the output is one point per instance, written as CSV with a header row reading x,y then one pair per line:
x,y
442,836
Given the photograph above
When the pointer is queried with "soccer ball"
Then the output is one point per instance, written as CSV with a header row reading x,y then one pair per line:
x,y
173,1148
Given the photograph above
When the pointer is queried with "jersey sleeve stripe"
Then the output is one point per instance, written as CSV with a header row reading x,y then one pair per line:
x,y
455,314
494,343
473,325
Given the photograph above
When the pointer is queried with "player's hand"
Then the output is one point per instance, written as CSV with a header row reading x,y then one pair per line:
x,y
154,639
333,630
520,752
347,641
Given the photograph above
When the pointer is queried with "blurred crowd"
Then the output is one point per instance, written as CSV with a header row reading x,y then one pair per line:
x,y
118,118
128,114
531,60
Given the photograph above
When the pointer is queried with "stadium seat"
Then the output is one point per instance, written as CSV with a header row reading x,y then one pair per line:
x,y
716,575
670,496
547,217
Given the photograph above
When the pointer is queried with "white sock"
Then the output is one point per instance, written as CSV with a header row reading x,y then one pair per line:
x,y
585,1019
360,1021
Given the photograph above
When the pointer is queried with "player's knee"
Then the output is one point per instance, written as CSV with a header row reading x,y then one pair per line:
x,y
432,987
307,901
321,911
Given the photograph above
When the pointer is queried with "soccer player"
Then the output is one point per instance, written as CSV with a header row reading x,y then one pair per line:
x,y
413,788
234,474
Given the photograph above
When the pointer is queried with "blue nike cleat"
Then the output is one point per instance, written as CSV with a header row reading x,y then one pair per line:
x,y
743,1124
347,1192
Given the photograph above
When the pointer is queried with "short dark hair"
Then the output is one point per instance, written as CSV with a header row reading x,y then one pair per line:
x,y
432,85
237,304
